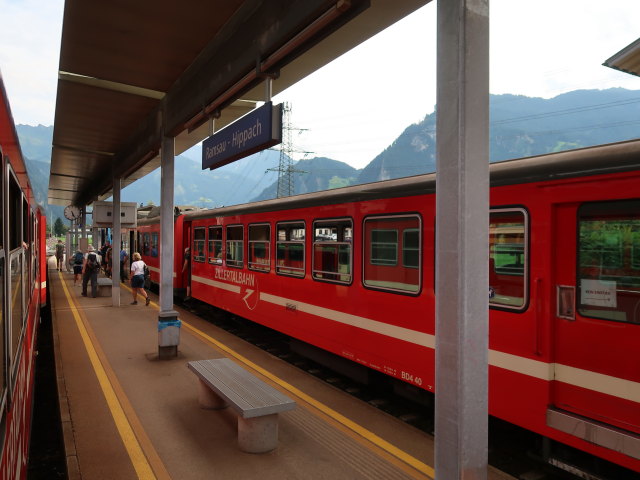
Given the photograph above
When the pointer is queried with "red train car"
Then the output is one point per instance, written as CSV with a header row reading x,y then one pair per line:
x,y
351,271
148,245
22,294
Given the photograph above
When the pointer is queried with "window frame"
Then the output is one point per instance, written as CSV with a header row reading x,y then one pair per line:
x,y
526,263
215,260
278,269
261,267
199,258
579,306
154,242
328,222
146,240
366,237
234,263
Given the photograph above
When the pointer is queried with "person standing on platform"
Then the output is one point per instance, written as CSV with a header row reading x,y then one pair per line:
x,y
186,271
90,269
137,279
103,253
78,260
108,262
123,261
59,255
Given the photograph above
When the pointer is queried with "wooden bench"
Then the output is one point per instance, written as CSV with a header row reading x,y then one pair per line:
x,y
224,383
104,287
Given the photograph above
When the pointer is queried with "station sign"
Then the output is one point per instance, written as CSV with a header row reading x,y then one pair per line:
x,y
254,132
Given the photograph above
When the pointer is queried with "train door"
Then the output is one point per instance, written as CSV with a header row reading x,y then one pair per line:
x,y
597,317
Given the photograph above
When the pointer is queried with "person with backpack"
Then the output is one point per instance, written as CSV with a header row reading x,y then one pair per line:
x,y
77,261
90,269
137,279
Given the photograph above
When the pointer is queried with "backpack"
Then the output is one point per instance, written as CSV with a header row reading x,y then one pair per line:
x,y
92,263
146,271
77,259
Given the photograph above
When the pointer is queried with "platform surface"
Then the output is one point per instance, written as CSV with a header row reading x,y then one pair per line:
x,y
126,414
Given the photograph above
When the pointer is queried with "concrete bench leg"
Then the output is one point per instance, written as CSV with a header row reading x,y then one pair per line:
x,y
208,399
258,434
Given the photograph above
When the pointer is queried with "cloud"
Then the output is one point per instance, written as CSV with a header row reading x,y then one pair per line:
x,y
29,53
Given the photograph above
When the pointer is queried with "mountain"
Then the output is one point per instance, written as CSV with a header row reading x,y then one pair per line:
x,y
314,175
520,126
229,185
35,143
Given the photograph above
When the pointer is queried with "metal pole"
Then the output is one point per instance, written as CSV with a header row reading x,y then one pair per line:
x,y
168,323
84,222
115,243
462,231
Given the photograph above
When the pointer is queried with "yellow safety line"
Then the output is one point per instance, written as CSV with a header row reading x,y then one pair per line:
x,y
363,432
359,430
136,454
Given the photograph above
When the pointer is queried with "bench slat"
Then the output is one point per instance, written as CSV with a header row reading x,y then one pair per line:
x,y
247,394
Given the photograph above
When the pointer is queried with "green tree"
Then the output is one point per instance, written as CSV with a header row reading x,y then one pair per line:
x,y
338,182
59,228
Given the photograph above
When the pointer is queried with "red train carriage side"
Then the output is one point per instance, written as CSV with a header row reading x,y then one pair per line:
x,y
22,292
148,245
351,271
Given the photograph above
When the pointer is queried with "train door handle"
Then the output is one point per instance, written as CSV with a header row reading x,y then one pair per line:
x,y
566,302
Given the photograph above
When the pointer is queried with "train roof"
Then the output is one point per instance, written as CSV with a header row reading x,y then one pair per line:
x,y
10,145
602,159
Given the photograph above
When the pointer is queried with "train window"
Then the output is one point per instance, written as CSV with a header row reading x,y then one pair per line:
x,y
609,261
2,323
290,249
16,303
508,258
215,245
260,247
146,242
384,247
15,226
411,248
154,244
384,237
235,240
332,241
199,239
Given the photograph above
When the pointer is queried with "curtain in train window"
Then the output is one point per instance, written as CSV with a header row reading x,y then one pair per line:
x,y
609,261
235,241
508,258
290,246
215,245
392,253
259,247
332,243
199,239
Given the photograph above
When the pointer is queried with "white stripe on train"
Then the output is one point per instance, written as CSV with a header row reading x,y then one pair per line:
x,y
597,382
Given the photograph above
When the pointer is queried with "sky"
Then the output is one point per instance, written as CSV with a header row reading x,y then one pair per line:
x,y
356,106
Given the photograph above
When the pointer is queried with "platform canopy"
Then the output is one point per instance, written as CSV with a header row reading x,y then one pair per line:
x,y
626,60
130,69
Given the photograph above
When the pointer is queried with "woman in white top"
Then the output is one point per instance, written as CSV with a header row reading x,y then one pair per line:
x,y
137,279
